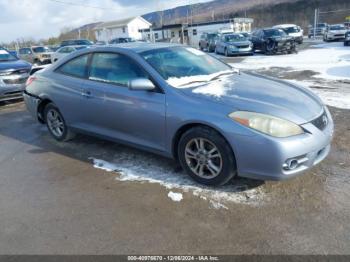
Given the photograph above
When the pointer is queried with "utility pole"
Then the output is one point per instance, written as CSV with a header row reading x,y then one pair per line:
x,y
315,22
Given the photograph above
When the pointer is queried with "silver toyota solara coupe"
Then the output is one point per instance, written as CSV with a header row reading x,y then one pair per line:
x,y
182,103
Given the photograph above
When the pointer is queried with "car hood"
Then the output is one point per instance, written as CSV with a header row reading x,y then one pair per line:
x,y
250,92
17,64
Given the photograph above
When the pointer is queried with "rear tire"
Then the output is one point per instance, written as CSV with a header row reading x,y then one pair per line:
x,y
56,124
206,156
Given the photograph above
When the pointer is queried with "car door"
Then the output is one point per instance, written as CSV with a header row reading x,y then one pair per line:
x,y
66,89
136,117
220,44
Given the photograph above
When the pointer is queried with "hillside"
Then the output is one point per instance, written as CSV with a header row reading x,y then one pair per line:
x,y
265,12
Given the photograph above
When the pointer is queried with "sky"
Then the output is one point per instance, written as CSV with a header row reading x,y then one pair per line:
x,y
44,18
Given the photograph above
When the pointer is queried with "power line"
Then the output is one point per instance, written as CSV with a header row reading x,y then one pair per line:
x,y
84,5
335,11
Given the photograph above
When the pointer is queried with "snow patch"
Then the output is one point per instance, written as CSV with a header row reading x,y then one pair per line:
x,y
148,169
176,197
328,60
185,82
216,88
331,62
337,97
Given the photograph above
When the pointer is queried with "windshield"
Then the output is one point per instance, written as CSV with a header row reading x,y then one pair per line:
x,y
40,49
321,25
235,38
290,30
274,32
337,27
6,56
184,65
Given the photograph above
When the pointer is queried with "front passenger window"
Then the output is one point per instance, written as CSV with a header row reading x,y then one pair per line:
x,y
115,68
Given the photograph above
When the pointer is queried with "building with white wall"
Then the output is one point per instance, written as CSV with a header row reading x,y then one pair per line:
x,y
190,33
130,27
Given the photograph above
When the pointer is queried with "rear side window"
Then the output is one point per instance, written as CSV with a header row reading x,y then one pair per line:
x,y
76,67
115,69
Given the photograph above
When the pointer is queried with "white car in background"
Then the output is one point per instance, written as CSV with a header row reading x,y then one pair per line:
x,y
64,51
335,32
292,30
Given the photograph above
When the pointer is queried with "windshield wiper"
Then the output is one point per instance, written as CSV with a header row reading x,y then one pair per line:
x,y
222,74
193,82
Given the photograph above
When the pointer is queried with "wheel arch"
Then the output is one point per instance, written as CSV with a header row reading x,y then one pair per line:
x,y
187,126
41,107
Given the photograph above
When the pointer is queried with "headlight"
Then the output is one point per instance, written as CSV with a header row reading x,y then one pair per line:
x,y
267,124
233,47
5,73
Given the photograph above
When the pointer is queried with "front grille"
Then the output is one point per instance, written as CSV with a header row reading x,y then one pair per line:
x,y
16,77
339,35
321,122
15,81
243,46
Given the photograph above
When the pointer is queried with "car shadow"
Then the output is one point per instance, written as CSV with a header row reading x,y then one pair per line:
x,y
126,161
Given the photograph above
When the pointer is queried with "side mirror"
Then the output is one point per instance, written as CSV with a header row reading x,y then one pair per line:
x,y
141,84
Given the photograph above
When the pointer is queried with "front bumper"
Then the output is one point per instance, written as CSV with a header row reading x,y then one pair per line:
x,y
335,37
264,157
240,51
10,92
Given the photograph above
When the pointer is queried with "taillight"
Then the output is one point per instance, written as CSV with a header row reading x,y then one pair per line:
x,y
30,80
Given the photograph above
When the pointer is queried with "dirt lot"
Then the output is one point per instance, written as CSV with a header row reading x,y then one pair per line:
x,y
54,201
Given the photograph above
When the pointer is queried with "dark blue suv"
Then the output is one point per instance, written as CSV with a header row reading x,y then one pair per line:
x,y
13,75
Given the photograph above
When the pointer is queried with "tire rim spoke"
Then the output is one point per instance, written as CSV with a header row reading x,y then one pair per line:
x,y
55,123
203,158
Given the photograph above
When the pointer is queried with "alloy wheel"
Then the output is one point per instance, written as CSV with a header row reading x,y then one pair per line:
x,y
203,158
55,123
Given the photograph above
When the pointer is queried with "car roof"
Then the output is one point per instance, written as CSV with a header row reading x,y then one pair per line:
x,y
337,25
140,47
284,25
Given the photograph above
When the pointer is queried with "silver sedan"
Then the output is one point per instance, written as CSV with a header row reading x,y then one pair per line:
x,y
182,103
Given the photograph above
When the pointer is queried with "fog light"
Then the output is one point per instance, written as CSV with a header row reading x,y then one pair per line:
x,y
291,164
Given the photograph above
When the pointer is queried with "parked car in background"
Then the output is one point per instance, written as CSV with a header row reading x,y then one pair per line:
x,y
347,25
120,40
147,95
247,35
272,41
319,31
76,42
347,39
101,43
335,32
292,30
13,52
234,44
64,51
35,54
13,75
208,41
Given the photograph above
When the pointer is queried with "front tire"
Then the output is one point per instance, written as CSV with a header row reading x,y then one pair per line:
x,y
206,156
56,123
226,52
